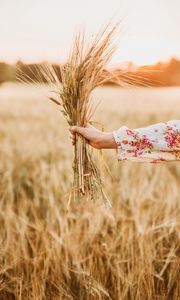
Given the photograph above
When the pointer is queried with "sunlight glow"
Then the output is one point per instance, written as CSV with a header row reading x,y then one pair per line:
x,y
43,30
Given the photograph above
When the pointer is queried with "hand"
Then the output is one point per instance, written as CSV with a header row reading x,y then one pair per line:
x,y
95,137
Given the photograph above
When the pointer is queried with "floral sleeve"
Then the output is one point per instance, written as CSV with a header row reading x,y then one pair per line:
x,y
154,143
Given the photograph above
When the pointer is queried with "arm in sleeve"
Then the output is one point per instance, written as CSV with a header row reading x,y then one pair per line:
x,y
154,143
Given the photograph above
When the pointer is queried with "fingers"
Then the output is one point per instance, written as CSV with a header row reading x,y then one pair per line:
x,y
73,130
83,131
72,138
78,129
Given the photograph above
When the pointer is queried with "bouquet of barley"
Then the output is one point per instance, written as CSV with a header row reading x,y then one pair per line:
x,y
71,86
84,71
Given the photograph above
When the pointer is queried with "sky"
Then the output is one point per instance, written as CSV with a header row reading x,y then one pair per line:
x,y
36,30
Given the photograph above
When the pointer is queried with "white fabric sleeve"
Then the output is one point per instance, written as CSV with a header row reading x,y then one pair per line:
x,y
153,143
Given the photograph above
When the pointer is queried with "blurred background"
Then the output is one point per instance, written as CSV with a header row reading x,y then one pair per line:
x,y
35,31
127,251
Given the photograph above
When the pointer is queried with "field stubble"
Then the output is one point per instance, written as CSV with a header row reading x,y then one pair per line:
x,y
92,252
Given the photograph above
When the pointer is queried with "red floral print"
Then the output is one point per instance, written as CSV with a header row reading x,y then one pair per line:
x,y
155,143
172,137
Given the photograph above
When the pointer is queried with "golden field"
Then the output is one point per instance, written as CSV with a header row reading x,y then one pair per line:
x,y
130,251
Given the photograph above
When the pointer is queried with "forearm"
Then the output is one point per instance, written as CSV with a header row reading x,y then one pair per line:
x,y
107,141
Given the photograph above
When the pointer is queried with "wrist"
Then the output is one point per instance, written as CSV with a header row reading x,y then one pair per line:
x,y
108,141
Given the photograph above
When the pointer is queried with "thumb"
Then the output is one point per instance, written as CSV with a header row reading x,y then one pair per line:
x,y
78,129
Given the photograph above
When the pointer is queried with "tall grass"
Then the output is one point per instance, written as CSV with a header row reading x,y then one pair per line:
x,y
127,252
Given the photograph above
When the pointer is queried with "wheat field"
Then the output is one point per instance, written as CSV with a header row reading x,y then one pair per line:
x,y
130,251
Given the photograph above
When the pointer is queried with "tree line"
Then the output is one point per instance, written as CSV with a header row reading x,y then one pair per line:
x,y
161,74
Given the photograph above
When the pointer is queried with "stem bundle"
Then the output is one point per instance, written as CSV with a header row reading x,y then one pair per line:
x,y
84,71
